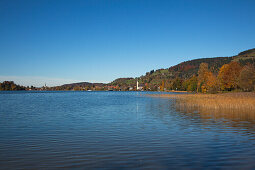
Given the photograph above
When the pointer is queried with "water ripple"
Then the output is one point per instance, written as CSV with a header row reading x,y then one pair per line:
x,y
118,130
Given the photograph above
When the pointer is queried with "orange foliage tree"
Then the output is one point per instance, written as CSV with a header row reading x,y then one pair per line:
x,y
210,84
228,76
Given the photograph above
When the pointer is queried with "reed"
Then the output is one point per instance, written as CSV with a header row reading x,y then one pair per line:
x,y
225,102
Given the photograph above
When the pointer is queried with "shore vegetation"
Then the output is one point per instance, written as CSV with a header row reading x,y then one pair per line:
x,y
242,102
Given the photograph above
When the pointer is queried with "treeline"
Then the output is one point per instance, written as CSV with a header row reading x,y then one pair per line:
x,y
10,86
76,88
230,77
82,86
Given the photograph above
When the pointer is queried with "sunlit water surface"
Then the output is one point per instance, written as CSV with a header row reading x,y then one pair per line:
x,y
118,130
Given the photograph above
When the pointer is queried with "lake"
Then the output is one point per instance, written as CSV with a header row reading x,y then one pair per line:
x,y
118,130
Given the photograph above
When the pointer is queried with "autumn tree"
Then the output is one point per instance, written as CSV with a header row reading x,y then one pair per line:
x,y
228,76
203,69
77,88
246,79
10,85
13,87
162,87
210,85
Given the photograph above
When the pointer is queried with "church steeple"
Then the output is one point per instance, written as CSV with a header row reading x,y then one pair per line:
x,y
137,85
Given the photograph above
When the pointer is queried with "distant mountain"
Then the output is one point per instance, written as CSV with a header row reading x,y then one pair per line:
x,y
84,84
80,86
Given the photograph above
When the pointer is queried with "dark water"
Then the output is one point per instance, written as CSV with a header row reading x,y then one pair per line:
x,y
118,130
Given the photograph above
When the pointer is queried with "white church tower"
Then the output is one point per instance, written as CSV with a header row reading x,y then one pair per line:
x,y
137,85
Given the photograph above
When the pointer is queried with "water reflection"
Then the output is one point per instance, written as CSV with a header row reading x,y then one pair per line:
x,y
229,117
170,112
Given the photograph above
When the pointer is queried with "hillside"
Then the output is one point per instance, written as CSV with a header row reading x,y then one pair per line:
x,y
80,86
186,70
154,78
245,57
250,52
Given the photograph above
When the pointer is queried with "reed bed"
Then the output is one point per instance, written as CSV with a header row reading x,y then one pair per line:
x,y
224,102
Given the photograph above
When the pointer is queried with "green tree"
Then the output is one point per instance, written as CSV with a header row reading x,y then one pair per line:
x,y
177,84
191,84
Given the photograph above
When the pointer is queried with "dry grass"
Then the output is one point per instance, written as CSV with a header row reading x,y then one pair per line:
x,y
177,91
225,102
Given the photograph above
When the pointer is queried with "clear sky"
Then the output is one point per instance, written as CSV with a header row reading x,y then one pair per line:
x,y
63,41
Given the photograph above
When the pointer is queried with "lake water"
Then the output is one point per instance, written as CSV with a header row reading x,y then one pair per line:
x,y
118,130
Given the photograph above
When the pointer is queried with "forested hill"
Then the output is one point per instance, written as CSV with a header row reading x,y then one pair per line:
x,y
80,86
153,79
10,86
186,70
250,52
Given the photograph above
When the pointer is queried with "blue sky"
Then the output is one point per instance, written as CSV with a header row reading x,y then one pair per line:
x,y
63,41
